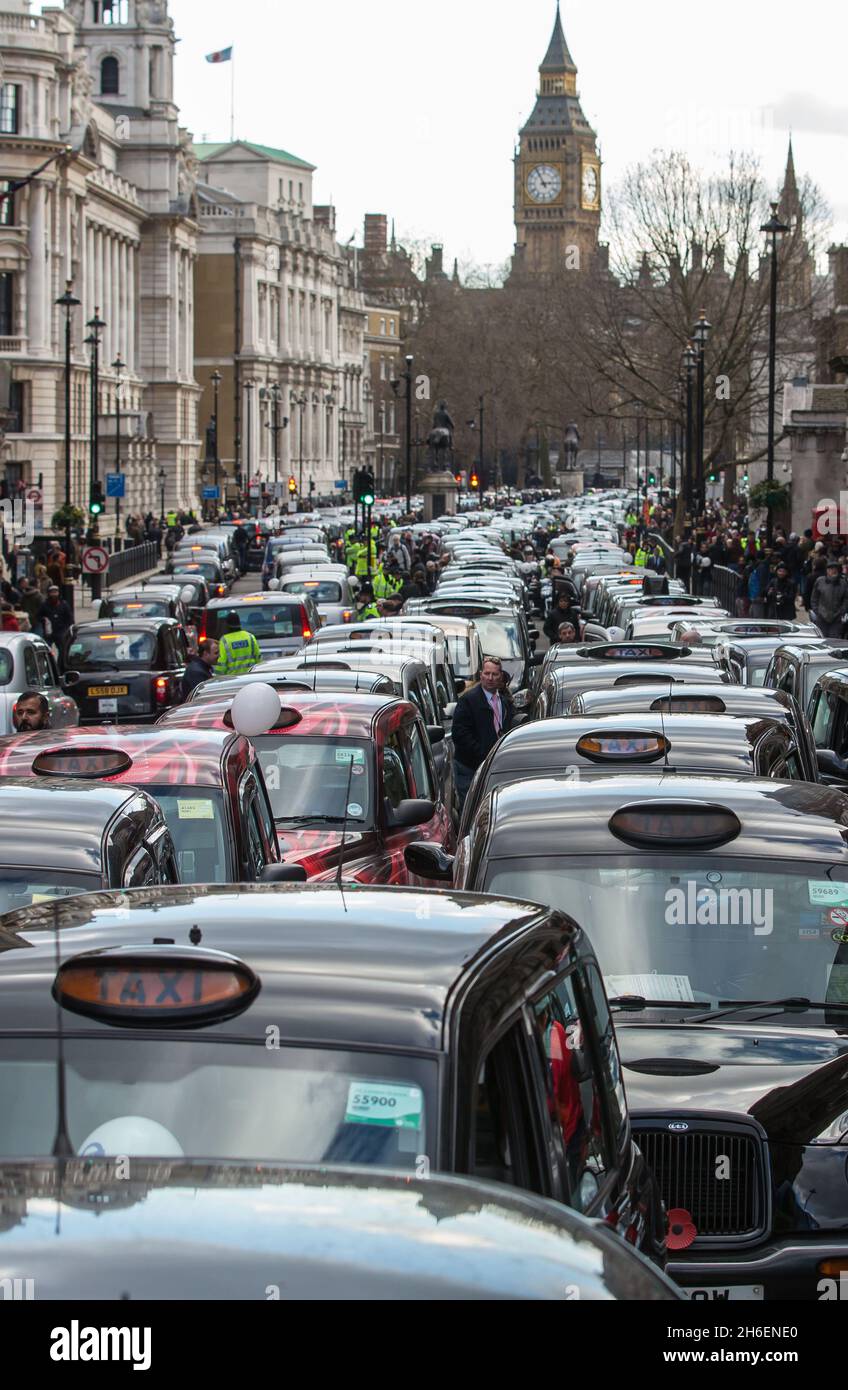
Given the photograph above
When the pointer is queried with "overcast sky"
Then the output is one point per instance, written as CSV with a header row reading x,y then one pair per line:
x,y
412,109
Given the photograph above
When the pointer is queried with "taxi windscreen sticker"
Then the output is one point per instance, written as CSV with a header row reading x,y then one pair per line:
x,y
674,988
347,755
377,1103
823,893
837,985
195,810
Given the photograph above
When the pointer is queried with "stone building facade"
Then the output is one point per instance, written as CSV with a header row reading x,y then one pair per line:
x,y
281,317
113,217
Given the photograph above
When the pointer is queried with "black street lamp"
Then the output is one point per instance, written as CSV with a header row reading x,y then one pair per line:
x,y
216,380
773,229
700,335
395,385
96,326
163,477
274,395
301,401
250,387
68,303
118,367
472,425
690,367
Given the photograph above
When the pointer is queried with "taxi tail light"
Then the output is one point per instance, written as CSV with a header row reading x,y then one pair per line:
x,y
347,616
161,689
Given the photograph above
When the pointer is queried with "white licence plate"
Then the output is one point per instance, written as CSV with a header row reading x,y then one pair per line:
x,y
727,1293
107,706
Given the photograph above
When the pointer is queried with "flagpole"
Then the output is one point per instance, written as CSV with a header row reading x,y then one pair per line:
x,y
233,99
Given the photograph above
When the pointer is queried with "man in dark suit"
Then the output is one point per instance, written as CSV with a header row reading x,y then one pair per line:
x,y
482,717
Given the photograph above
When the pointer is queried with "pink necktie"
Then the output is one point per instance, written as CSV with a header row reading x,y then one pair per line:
x,y
496,711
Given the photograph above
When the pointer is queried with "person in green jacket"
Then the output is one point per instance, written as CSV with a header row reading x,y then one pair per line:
x,y
365,606
238,649
641,557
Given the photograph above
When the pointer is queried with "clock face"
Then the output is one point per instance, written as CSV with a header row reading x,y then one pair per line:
x,y
590,186
544,183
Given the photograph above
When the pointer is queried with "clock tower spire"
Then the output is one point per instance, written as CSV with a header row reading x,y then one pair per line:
x,y
557,172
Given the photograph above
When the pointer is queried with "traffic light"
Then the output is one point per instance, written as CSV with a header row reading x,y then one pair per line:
x,y
364,487
311,486
457,477
475,481
292,486
652,478
96,500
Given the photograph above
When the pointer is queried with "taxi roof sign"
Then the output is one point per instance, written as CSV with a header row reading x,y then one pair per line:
x,y
689,704
77,762
675,824
623,747
165,986
633,651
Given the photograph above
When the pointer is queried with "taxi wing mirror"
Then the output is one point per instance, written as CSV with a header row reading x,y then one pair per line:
x,y
831,765
436,734
70,678
426,860
410,813
537,659
459,685
283,873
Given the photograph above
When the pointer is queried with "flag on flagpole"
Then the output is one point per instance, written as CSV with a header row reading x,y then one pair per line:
x,y
224,55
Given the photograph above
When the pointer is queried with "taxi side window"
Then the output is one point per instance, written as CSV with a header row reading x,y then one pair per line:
x,y
45,673
821,716
502,1147
839,729
419,760
395,785
31,668
141,871
254,844
608,1056
575,1092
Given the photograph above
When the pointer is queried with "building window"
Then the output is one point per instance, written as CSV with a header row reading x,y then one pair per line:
x,y
10,108
7,304
17,407
391,328
110,77
8,211
300,191
110,11
382,328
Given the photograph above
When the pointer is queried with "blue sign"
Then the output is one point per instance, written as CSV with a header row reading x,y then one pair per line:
x,y
340,486
116,484
210,494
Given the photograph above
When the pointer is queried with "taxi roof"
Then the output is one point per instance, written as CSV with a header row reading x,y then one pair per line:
x,y
558,816
254,601
713,743
57,823
191,758
129,624
737,699
359,965
323,715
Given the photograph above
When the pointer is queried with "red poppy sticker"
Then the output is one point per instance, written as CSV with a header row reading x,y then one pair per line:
x,y
681,1229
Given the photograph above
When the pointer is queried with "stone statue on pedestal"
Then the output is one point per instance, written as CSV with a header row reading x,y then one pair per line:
x,y
441,438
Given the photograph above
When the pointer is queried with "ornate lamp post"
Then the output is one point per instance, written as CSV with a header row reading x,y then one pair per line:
x,y
700,335
68,303
118,367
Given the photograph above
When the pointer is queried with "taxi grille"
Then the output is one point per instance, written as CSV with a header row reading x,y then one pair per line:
x,y
688,1168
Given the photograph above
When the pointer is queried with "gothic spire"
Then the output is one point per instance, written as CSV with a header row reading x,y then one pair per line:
x,y
558,58
789,208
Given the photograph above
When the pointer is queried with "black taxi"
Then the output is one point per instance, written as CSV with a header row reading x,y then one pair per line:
x,y
719,913
58,838
426,1032
653,743
239,1231
125,668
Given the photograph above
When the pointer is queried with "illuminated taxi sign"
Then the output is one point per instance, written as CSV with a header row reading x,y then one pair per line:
x,y
254,598
647,678
675,823
76,762
627,747
751,630
163,986
636,651
689,704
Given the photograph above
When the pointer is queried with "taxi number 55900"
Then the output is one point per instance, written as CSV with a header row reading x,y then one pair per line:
x,y
387,1102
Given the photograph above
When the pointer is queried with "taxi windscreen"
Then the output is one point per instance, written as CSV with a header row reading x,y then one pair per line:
x,y
21,887
308,779
321,590
499,636
196,820
262,619
716,930
217,1100
110,650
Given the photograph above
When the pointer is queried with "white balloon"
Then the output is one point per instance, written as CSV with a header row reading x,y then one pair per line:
x,y
256,709
133,1135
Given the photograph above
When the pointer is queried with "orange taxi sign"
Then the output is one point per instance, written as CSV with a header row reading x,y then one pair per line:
x,y
623,747
160,985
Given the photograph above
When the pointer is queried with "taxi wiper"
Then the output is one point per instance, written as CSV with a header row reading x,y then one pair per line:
x,y
310,820
634,1003
799,1002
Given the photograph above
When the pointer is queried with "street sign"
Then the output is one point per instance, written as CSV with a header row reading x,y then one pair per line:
x,y
210,494
116,485
340,486
95,560
34,495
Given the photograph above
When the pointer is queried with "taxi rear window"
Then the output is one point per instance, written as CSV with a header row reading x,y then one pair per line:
x,y
21,887
190,1097
264,620
105,650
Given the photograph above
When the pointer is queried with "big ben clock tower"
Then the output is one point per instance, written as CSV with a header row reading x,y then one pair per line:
x,y
557,173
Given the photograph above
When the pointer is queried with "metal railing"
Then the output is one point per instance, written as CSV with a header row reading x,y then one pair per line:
x,y
668,551
725,587
128,563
